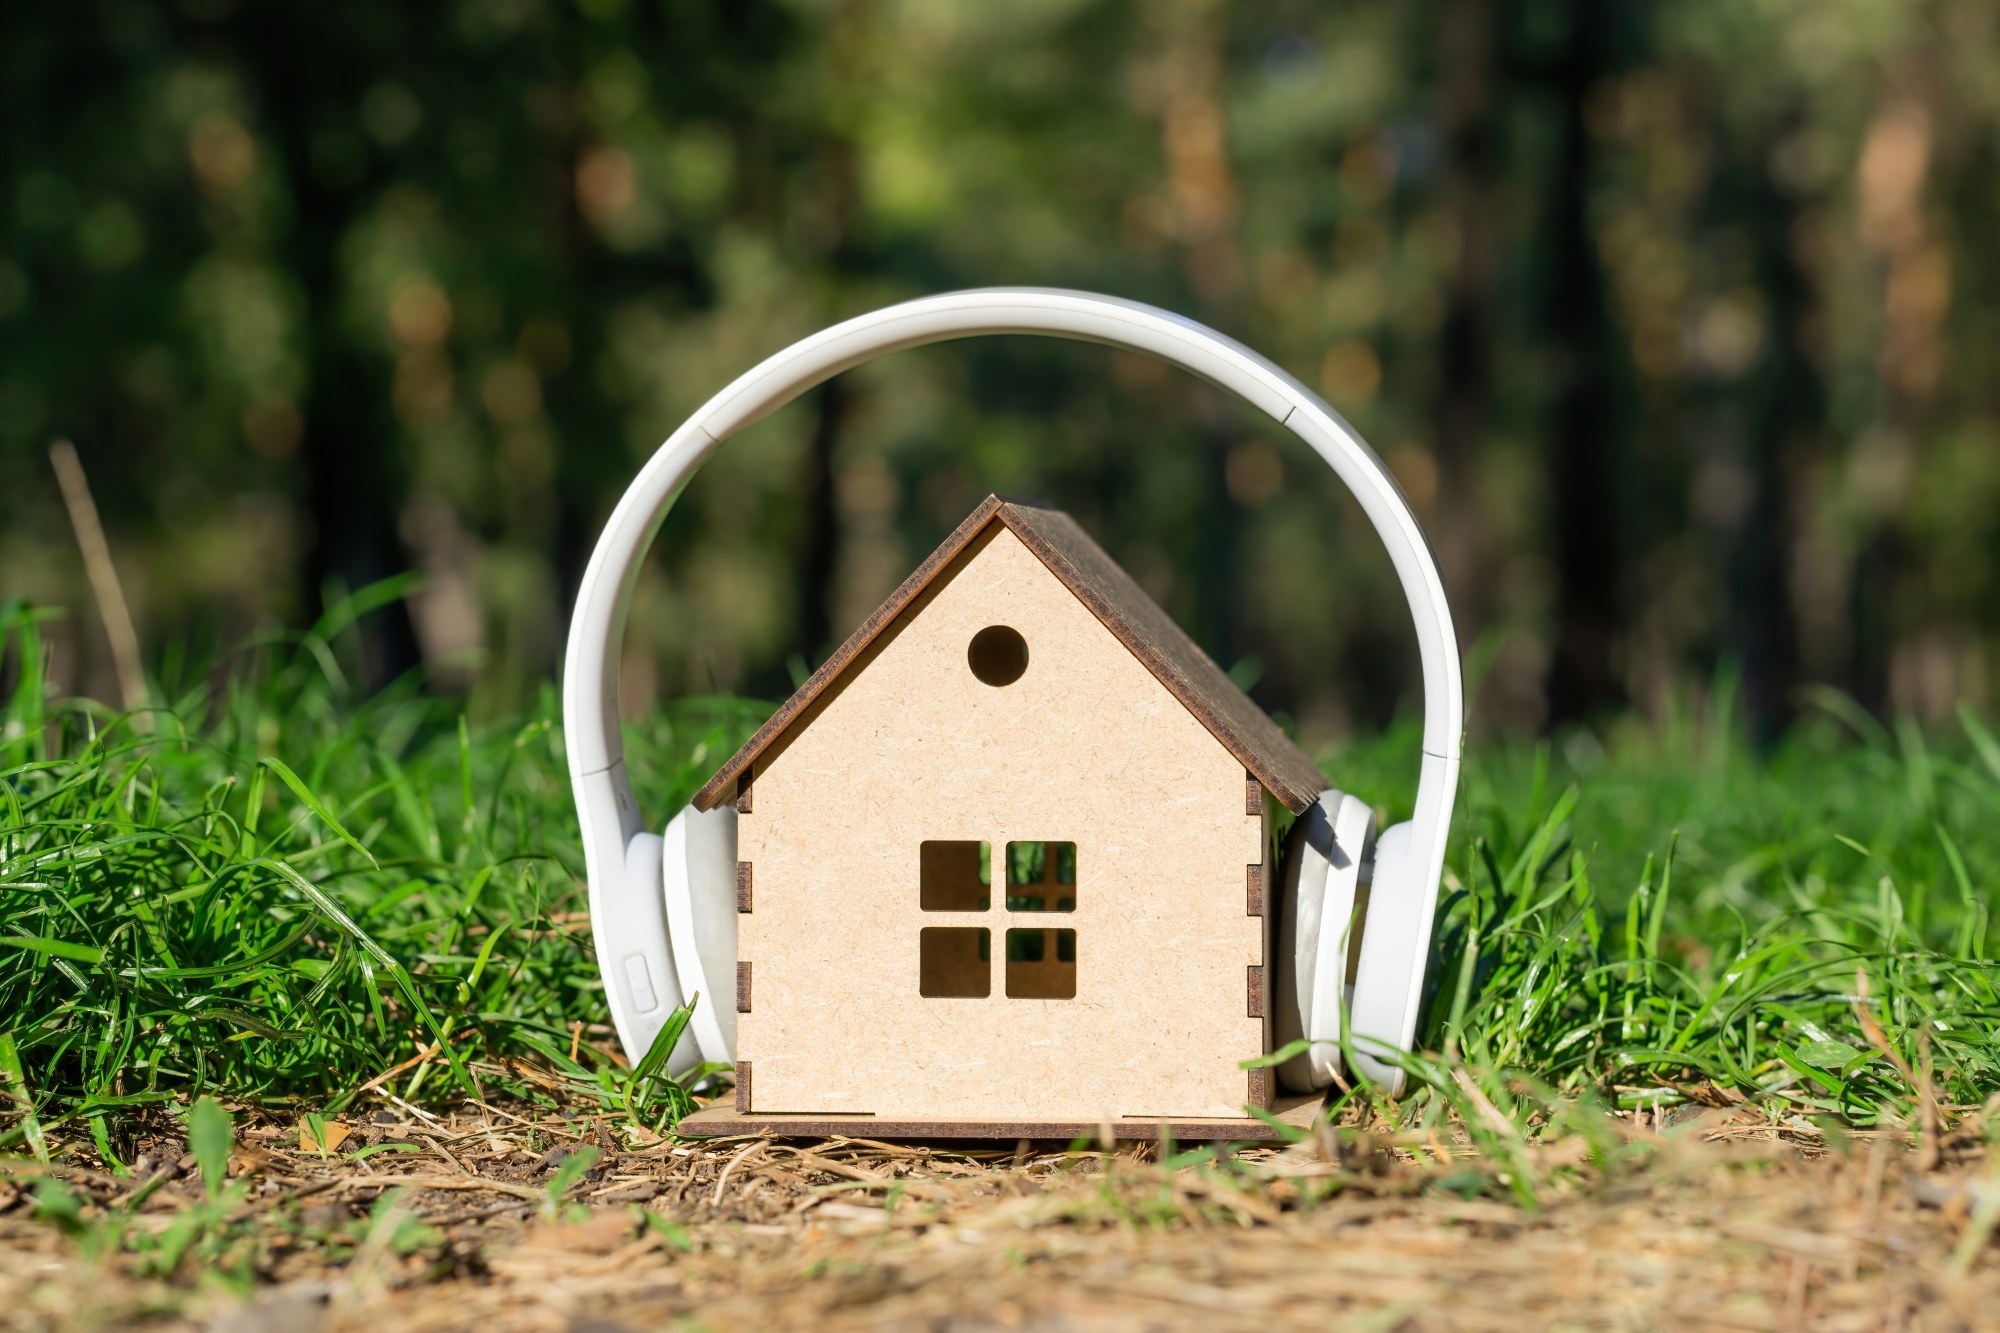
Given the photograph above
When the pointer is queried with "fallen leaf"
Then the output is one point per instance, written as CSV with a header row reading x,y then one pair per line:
x,y
336,1134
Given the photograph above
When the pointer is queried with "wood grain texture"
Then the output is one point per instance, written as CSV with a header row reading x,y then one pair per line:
x,y
1087,746
743,988
1254,990
720,1122
743,793
1260,1088
743,1100
737,771
1253,891
1121,606
743,887
1204,688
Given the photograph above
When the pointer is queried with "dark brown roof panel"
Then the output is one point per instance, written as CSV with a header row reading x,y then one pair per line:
x,y
1124,609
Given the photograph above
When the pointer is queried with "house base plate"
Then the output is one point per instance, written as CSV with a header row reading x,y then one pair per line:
x,y
723,1121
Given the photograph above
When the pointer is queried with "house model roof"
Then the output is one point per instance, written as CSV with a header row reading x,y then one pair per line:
x,y
1188,673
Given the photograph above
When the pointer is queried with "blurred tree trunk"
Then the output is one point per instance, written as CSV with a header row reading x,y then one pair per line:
x,y
817,553
1785,426
347,445
352,484
1206,202
1893,175
1583,495
818,549
1467,95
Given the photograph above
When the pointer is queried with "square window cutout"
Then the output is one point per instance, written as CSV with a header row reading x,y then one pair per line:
x,y
1041,964
954,876
955,961
1041,877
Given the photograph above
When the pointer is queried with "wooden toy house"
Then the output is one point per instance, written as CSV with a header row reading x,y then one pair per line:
x,y
1004,862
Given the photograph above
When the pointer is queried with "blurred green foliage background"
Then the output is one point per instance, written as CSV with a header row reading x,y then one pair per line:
x,y
1676,320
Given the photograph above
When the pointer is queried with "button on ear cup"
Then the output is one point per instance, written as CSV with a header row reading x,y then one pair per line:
x,y
1318,925
639,981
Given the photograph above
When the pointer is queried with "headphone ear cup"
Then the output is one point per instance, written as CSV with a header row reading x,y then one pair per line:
x,y
629,924
1318,928
698,886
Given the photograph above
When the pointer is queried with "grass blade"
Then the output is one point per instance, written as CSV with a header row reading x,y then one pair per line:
x,y
572,1170
210,1137
314,804
383,958
82,953
23,1097
1982,740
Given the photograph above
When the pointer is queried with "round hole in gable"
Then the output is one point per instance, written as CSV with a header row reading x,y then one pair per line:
x,y
998,655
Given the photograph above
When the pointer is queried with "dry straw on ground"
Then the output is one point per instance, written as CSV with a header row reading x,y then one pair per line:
x,y
1728,1222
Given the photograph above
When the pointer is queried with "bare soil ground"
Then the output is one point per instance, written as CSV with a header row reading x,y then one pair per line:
x,y
1728,1222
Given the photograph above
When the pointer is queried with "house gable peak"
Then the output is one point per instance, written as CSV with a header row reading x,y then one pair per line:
x,y
1118,602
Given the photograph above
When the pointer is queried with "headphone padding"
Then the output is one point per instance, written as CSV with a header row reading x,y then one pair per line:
x,y
1323,859
698,887
1308,856
1353,836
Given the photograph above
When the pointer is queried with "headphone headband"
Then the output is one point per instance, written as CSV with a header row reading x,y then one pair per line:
x,y
1400,911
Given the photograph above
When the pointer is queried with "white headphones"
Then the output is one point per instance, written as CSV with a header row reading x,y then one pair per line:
x,y
663,908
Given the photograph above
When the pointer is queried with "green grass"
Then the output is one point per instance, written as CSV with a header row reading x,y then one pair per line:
x,y
283,890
